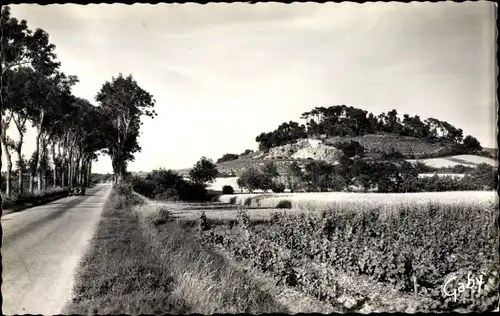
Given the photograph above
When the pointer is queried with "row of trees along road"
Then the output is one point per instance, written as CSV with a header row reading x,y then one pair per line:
x,y
70,131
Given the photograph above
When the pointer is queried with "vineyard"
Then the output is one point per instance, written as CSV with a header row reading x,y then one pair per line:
x,y
372,260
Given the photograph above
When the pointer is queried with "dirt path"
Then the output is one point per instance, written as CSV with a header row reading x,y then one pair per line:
x,y
41,250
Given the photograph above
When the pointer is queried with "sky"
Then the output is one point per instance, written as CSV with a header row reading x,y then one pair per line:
x,y
223,73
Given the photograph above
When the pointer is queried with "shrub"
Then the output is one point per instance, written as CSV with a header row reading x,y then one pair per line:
x,y
242,217
351,149
192,192
170,194
471,144
278,187
227,189
232,200
124,189
227,157
251,179
421,167
393,155
168,185
247,152
284,204
162,216
248,201
203,222
118,201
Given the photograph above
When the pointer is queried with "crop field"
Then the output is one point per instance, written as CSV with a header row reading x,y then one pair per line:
x,y
316,201
345,249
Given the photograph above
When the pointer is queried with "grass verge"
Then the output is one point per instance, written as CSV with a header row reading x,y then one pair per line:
x,y
150,265
120,273
205,280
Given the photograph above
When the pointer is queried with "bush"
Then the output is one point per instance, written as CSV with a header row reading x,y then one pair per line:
x,y
162,216
227,189
393,155
284,204
170,194
251,179
227,157
278,187
248,201
168,185
423,168
192,192
203,222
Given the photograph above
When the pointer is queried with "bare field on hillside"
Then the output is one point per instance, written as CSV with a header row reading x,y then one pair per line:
x,y
452,161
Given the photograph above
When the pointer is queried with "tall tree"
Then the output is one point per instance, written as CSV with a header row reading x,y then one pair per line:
x,y
18,100
22,47
8,145
203,171
47,108
123,102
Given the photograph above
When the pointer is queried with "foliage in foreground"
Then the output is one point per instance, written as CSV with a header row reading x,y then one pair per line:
x,y
418,246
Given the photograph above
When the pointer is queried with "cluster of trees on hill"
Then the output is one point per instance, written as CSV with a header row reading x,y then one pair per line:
x,y
230,157
393,174
70,131
341,120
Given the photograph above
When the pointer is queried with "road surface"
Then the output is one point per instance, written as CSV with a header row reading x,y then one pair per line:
x,y
41,250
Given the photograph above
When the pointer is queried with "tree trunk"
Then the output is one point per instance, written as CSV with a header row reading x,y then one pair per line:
x,y
54,184
1,129
37,148
20,188
70,174
8,180
32,182
45,178
38,158
82,171
89,172
78,171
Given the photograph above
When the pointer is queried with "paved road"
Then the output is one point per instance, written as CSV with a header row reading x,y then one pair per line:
x,y
41,250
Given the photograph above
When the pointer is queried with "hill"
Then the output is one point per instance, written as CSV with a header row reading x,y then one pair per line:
x,y
375,145
408,136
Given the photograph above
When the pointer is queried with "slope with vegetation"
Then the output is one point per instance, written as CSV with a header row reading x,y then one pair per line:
x,y
381,136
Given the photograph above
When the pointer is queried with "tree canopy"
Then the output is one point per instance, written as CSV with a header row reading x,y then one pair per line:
x,y
342,120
